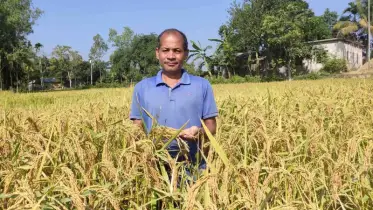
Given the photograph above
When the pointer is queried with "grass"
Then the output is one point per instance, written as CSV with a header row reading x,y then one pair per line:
x,y
284,145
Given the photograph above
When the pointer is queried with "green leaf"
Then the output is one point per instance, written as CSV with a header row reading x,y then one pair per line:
x,y
195,46
88,193
174,136
208,47
25,167
3,196
216,40
365,199
216,146
161,192
65,200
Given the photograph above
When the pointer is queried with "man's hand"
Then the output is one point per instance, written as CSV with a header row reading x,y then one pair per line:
x,y
190,134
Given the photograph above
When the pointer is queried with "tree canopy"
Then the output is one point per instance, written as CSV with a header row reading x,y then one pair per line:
x,y
260,38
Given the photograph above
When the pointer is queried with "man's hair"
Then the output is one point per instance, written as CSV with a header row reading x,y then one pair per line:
x,y
173,30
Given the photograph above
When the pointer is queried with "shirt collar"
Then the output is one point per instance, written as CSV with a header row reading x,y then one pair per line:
x,y
185,79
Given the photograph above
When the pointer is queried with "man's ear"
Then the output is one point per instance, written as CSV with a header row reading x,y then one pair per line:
x,y
186,55
157,52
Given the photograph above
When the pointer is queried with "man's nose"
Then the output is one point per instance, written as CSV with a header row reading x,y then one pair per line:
x,y
171,55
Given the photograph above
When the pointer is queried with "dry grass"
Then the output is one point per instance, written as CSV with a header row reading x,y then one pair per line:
x,y
298,145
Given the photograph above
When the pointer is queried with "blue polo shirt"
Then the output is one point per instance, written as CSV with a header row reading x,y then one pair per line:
x,y
191,99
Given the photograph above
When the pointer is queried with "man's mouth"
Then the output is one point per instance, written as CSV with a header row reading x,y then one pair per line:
x,y
171,64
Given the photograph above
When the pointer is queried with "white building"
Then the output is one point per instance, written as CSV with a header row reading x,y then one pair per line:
x,y
338,48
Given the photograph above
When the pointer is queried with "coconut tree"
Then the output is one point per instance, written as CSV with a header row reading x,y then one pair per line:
x,y
354,20
352,12
354,23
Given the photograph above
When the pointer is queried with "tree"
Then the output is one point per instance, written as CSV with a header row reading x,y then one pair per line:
x,y
121,41
143,53
352,10
225,55
200,53
330,18
121,64
66,61
76,60
121,57
354,22
286,32
98,50
37,47
255,46
20,61
16,21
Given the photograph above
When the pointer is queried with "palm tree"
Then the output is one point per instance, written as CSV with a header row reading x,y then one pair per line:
x,y
37,47
355,24
200,53
353,11
224,53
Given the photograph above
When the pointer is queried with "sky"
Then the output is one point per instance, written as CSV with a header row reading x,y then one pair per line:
x,y
75,22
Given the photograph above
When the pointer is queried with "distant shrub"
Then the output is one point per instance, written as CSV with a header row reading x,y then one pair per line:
x,y
237,79
312,76
335,65
234,80
273,78
217,80
109,85
253,79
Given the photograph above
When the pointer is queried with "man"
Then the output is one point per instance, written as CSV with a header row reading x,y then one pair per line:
x,y
174,97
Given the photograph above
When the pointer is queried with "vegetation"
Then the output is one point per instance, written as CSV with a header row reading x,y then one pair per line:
x,y
335,65
298,145
275,38
354,22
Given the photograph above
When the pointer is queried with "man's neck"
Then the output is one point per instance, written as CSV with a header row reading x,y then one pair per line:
x,y
171,79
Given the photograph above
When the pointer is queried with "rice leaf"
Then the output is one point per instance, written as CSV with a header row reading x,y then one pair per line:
x,y
216,146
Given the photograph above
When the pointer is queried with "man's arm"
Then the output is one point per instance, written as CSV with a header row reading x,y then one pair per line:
x,y
209,114
193,133
210,110
135,112
137,122
211,126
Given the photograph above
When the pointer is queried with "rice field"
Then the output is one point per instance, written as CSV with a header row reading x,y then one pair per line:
x,y
286,145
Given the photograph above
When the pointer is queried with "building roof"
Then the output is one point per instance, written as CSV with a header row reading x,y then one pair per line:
x,y
356,44
49,80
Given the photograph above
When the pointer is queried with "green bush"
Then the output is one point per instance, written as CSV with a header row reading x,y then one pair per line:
x,y
253,79
273,78
335,65
234,80
312,76
110,85
237,79
217,80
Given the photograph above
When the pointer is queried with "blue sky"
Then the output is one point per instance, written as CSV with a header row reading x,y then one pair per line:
x,y
75,22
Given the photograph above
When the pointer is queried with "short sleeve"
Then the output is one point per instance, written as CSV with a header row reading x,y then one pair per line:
x,y
135,112
209,104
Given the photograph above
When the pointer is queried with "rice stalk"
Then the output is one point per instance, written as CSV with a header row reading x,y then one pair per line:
x,y
298,145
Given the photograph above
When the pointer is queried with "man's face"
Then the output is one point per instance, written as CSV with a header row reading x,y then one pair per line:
x,y
171,53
